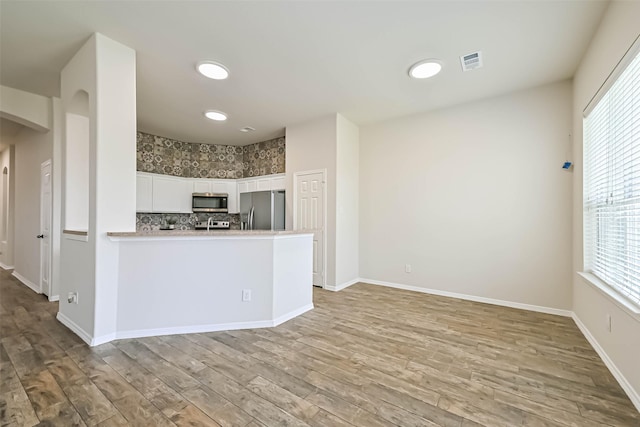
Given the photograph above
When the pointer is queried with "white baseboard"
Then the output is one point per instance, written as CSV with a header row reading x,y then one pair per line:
x,y
197,329
29,284
104,339
6,267
633,394
192,329
53,298
290,315
336,288
521,306
86,337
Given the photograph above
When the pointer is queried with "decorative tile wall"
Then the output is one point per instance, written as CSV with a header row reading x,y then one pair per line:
x,y
166,156
264,158
153,221
157,154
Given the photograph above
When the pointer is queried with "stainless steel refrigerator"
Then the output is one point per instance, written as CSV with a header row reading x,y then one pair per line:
x,y
262,210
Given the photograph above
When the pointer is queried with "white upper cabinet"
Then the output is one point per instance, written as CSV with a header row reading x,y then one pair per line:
x,y
247,186
144,193
263,183
232,201
171,194
278,182
201,186
219,186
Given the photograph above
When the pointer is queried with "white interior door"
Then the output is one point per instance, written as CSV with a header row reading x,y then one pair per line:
x,y
45,227
309,194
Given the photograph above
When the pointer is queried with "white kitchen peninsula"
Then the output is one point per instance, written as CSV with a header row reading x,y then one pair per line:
x,y
177,281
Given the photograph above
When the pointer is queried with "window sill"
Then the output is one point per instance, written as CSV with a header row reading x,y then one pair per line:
x,y
618,299
79,235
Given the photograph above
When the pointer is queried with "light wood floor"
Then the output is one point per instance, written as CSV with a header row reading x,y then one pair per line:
x,y
366,356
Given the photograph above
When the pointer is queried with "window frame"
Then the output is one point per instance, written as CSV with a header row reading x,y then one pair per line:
x,y
611,290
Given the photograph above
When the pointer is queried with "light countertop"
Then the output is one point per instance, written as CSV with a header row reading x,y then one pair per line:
x,y
205,233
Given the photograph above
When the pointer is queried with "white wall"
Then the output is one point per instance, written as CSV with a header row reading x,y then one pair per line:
x,y
311,146
176,293
473,198
26,108
292,276
31,149
621,346
115,172
347,201
7,160
77,172
34,143
106,71
77,258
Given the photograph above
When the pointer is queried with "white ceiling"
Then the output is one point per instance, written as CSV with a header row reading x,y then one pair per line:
x,y
294,61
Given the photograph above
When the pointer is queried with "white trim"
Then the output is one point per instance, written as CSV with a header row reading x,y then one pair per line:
x,y
618,69
615,297
194,329
43,165
324,213
521,306
28,283
53,298
74,328
77,237
336,288
103,339
193,235
6,267
634,396
198,329
290,315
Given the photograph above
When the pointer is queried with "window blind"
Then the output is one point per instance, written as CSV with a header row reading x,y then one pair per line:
x,y
612,185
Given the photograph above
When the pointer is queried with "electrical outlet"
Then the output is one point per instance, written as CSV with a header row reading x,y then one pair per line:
x,y
608,324
407,268
246,295
72,298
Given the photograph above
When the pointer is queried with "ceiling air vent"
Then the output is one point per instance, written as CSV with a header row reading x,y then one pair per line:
x,y
471,61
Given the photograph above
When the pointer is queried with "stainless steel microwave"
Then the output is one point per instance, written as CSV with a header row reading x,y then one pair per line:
x,y
210,202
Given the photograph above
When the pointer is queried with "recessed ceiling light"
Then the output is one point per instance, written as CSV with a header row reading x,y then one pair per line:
x,y
213,70
216,115
425,69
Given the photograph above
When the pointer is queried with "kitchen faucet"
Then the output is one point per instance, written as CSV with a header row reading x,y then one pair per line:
x,y
209,222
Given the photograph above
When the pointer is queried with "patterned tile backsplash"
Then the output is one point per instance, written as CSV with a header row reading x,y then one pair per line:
x,y
263,158
153,221
157,154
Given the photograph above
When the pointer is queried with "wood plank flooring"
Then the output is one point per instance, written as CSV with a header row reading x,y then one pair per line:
x,y
366,356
